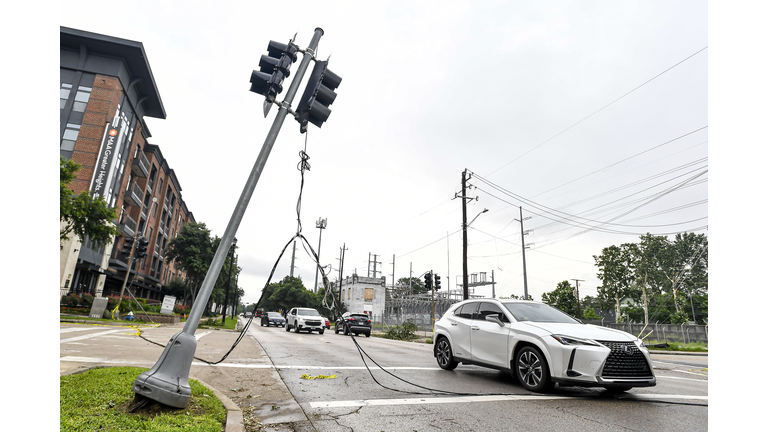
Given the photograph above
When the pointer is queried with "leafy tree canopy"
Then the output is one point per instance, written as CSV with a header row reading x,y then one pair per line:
x,y
83,215
562,298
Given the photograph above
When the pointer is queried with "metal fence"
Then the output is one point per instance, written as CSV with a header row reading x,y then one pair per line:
x,y
664,333
651,334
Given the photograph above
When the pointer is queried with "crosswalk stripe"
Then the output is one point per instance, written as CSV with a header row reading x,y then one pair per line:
x,y
88,336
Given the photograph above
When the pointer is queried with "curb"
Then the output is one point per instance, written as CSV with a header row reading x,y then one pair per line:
x,y
234,422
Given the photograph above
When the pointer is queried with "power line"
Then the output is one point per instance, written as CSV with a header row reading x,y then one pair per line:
x,y
606,106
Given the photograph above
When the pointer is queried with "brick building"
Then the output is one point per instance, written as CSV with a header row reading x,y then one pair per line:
x,y
107,89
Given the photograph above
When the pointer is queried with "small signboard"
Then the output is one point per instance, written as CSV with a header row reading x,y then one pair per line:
x,y
168,303
98,307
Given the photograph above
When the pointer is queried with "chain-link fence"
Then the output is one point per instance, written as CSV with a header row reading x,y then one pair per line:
x,y
663,333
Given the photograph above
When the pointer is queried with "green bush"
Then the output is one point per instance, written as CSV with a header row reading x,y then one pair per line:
x,y
405,332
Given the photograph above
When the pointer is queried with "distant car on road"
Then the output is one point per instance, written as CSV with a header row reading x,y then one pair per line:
x,y
272,318
308,319
354,323
327,323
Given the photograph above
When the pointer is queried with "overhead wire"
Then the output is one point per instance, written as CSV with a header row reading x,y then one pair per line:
x,y
604,107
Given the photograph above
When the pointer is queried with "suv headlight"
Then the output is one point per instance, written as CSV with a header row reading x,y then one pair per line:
x,y
568,340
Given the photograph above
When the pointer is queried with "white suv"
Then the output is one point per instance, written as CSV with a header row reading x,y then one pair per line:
x,y
304,319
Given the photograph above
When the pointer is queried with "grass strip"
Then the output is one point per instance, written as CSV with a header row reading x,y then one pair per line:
x,y
99,399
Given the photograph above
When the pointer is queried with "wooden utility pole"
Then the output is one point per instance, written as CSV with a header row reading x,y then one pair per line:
x,y
465,275
578,303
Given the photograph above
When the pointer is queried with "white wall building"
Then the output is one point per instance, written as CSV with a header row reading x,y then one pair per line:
x,y
364,294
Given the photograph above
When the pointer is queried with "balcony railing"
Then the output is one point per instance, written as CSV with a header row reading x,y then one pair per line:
x,y
128,227
133,195
140,166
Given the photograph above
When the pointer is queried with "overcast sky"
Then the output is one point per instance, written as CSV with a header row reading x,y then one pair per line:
x,y
592,116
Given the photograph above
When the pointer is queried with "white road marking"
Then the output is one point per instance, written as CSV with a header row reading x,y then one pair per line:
x,y
92,335
74,329
692,373
487,398
198,336
639,396
681,378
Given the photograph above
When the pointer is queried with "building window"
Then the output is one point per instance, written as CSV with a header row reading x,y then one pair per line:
x,y
81,98
68,140
64,94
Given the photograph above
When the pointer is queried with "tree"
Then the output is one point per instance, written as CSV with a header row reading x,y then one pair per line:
x,y
81,214
289,292
415,284
616,271
192,249
562,297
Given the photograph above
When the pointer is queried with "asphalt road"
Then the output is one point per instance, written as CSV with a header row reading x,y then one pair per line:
x,y
486,400
267,372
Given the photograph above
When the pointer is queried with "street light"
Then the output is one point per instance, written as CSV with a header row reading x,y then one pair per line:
x,y
321,223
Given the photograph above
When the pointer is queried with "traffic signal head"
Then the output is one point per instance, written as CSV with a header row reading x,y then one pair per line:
x,y
318,95
437,282
428,280
273,69
127,245
141,251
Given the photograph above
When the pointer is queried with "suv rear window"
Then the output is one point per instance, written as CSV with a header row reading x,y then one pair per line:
x,y
310,312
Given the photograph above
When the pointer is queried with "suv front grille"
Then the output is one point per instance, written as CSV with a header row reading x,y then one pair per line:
x,y
312,323
625,361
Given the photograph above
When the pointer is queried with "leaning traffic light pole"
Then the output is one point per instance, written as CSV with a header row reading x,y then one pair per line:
x,y
167,381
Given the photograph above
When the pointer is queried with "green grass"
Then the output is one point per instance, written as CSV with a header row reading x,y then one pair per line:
x,y
229,324
98,399
690,347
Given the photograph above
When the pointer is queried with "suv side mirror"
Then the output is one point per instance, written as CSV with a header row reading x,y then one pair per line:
x,y
494,318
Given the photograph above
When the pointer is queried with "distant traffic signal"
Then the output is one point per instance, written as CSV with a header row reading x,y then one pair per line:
x,y
274,68
428,280
127,245
141,252
313,106
437,282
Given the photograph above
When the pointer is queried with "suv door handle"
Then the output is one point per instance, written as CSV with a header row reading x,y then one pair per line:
x,y
475,328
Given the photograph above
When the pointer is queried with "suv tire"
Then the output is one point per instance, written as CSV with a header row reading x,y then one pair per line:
x,y
444,354
532,371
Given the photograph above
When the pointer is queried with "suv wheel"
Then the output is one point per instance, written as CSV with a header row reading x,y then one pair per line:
x,y
368,334
296,329
287,327
444,354
336,329
532,371
321,331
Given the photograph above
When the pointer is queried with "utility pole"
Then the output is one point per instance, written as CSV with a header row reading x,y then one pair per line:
x,y
167,381
578,303
465,275
293,257
321,224
523,233
374,265
229,280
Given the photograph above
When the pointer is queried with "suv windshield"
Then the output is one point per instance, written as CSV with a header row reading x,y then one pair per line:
x,y
310,312
538,312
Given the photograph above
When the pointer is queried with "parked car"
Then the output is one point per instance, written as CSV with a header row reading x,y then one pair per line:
x,y
308,319
540,345
327,323
272,318
353,323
